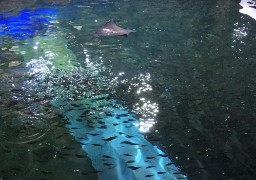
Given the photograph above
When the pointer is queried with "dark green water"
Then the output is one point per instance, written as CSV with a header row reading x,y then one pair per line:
x,y
197,57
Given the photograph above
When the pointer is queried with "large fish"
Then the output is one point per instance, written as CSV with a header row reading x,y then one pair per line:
x,y
111,29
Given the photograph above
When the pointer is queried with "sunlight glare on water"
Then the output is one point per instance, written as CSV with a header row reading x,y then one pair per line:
x,y
143,107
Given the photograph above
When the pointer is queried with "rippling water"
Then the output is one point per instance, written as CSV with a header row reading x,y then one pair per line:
x,y
187,75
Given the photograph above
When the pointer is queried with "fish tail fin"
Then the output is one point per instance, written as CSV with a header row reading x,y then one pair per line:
x,y
131,30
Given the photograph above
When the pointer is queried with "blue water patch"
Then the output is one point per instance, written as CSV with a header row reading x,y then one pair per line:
x,y
28,23
46,11
56,5
113,141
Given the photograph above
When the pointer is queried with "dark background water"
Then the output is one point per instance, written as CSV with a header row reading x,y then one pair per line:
x,y
201,59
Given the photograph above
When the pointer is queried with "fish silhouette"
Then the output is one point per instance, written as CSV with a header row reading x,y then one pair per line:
x,y
111,29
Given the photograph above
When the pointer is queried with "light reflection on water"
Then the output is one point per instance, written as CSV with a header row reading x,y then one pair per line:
x,y
248,8
39,65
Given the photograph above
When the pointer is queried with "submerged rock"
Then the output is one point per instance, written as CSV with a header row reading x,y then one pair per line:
x,y
14,63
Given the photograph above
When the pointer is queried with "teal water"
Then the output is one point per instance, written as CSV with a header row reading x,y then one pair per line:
x,y
188,70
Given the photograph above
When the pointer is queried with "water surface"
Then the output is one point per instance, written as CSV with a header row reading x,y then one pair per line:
x,y
188,70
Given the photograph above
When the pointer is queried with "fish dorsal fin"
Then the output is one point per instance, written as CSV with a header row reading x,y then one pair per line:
x,y
110,25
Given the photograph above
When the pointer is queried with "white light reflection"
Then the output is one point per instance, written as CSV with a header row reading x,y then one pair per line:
x,y
140,87
50,54
148,111
145,108
91,65
240,32
248,8
39,66
97,67
36,46
241,29
141,82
